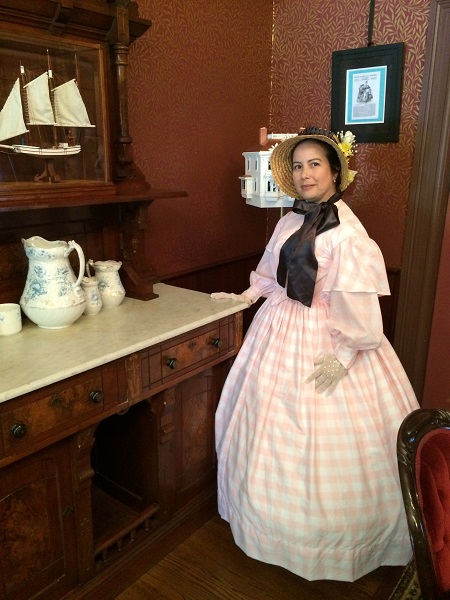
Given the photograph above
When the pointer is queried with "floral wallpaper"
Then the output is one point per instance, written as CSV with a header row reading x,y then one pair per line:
x,y
208,74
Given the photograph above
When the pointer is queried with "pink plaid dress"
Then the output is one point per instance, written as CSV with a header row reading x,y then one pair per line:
x,y
309,481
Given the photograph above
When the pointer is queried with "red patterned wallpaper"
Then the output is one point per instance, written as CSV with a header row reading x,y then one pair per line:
x,y
199,84
208,74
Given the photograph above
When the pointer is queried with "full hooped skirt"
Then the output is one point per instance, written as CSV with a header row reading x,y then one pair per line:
x,y
310,481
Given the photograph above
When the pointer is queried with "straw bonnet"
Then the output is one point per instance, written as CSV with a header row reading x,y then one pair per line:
x,y
281,158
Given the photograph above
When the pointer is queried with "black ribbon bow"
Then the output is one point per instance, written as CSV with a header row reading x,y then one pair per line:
x,y
297,267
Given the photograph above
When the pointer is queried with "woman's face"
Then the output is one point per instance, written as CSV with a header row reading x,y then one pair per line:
x,y
312,174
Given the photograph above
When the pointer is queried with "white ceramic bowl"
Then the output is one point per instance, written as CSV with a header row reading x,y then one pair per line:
x,y
54,318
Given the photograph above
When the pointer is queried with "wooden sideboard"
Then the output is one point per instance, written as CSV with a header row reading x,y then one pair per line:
x,y
106,428
107,441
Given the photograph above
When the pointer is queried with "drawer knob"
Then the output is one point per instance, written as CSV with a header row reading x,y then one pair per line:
x,y
217,343
96,396
19,430
172,363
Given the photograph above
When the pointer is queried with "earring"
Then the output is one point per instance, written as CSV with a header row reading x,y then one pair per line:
x,y
334,180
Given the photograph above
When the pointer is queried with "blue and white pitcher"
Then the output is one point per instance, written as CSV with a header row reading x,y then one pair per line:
x,y
52,297
110,286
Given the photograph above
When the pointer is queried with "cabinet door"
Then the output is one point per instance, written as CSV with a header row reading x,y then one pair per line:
x,y
186,454
195,457
37,533
195,461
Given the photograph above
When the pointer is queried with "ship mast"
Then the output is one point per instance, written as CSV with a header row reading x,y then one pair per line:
x,y
49,174
70,135
24,98
51,86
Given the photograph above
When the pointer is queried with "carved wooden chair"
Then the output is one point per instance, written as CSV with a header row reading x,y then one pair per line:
x,y
423,452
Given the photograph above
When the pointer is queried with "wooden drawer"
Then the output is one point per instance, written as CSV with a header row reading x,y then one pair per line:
x,y
61,408
176,359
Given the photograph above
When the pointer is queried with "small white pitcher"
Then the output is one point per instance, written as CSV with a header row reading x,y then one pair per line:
x,y
93,299
110,287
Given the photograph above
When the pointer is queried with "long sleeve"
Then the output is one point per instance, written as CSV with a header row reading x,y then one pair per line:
x,y
355,323
262,282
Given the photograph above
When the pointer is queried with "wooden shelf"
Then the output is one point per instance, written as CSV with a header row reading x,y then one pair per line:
x,y
60,195
113,521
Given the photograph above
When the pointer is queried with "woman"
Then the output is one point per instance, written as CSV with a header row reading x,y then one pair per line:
x,y
307,422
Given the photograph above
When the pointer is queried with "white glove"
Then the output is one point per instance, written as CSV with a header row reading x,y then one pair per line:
x,y
329,373
238,297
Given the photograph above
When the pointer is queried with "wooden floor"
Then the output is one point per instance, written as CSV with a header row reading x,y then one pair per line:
x,y
209,566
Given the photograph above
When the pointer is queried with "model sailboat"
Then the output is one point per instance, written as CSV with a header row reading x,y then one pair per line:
x,y
39,104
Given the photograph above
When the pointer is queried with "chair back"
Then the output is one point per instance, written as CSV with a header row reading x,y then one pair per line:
x,y
423,452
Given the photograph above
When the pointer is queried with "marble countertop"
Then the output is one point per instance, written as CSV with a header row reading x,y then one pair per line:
x,y
37,357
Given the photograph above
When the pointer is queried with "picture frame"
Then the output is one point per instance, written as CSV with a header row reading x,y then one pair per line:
x,y
366,88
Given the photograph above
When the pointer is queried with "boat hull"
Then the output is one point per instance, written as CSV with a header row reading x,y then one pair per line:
x,y
38,151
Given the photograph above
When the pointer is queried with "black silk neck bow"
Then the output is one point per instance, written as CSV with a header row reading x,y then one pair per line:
x,y
297,267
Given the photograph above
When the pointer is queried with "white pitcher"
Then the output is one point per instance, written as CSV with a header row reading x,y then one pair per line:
x,y
92,293
109,284
52,297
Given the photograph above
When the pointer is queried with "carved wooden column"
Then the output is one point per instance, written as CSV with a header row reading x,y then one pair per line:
x,y
128,178
137,274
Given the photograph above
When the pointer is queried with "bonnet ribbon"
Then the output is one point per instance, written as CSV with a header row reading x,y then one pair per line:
x,y
297,267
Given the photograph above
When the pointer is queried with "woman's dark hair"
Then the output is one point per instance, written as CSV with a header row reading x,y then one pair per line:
x,y
330,153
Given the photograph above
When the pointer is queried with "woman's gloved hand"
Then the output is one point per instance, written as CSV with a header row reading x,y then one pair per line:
x,y
225,295
329,373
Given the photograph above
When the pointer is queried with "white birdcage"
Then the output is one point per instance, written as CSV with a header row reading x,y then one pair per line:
x,y
258,186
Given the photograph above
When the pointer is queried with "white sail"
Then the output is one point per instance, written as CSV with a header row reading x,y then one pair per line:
x,y
40,110
11,117
70,110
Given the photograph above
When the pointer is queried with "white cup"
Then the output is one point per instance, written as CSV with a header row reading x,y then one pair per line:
x,y
10,318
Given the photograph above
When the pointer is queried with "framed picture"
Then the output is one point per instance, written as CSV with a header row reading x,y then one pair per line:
x,y
366,92
53,123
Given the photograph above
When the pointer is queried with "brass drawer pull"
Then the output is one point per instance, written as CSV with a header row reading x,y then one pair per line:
x,y
217,343
96,396
19,430
172,363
